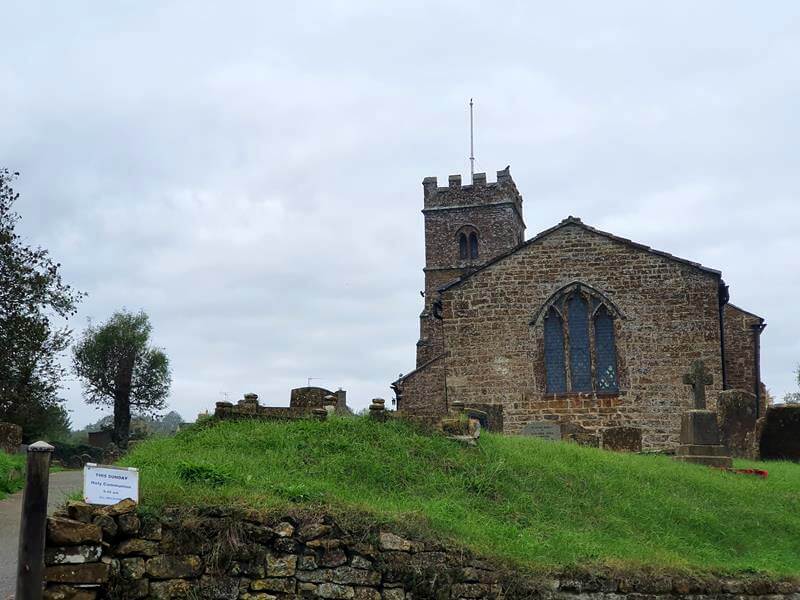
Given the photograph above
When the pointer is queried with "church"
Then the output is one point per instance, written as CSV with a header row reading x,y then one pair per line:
x,y
574,325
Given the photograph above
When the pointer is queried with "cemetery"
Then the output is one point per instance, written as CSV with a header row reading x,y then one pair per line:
x,y
590,407
377,506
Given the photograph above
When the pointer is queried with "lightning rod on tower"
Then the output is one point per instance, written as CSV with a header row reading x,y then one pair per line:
x,y
471,146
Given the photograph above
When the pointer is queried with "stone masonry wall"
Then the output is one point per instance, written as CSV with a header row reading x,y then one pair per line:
x,y
495,354
222,554
423,390
739,348
492,210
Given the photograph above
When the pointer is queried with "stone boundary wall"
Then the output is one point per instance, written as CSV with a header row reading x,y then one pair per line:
x,y
304,402
121,553
227,410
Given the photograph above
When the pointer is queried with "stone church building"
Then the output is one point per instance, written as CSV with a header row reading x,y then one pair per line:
x,y
573,325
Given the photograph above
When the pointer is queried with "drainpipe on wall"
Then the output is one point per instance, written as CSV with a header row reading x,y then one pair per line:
x,y
757,329
437,314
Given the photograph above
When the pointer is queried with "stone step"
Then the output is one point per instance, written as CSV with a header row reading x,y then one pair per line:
x,y
723,462
701,450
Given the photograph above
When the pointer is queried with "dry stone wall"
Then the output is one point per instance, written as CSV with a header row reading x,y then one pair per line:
x,y
118,552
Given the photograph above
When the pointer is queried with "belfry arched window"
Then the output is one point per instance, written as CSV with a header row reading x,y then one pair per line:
x,y
580,352
473,245
468,243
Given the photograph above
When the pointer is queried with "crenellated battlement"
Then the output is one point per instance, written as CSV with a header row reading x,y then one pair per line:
x,y
479,192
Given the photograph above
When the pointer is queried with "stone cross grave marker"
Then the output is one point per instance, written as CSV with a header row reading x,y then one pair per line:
x,y
698,377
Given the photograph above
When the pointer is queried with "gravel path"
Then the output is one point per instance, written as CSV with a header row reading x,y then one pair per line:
x,y
61,484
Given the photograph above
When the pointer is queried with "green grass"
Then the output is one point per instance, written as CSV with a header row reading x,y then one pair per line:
x,y
539,505
12,471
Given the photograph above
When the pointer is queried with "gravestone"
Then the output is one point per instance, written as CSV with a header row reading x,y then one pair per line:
x,y
493,419
546,430
622,439
478,415
780,433
736,417
700,439
571,432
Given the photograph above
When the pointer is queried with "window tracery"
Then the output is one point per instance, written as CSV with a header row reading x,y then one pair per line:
x,y
579,340
468,243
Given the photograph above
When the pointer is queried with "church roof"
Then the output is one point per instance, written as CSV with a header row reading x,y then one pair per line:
x,y
747,312
576,221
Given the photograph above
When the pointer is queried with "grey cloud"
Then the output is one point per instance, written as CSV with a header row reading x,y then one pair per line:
x,y
250,174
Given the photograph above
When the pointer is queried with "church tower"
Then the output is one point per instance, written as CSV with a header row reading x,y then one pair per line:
x,y
466,226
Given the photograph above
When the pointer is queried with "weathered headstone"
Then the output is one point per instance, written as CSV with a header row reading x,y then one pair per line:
x,y
700,439
546,430
622,439
780,433
478,415
572,432
493,420
736,417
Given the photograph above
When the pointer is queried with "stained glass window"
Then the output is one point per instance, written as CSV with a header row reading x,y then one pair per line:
x,y
579,359
554,353
605,352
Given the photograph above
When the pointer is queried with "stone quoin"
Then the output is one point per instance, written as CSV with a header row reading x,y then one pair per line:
x,y
575,325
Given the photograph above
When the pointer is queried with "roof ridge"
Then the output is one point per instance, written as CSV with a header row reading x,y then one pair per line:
x,y
571,220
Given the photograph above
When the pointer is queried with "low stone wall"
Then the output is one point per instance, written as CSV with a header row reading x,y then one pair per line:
x,y
116,552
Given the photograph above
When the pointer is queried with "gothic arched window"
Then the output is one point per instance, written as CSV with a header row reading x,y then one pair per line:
x,y
467,238
579,359
554,352
605,375
580,352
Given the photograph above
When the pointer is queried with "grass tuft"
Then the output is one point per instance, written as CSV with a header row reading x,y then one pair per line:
x,y
12,473
540,505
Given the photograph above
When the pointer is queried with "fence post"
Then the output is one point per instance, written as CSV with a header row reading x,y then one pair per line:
x,y
30,560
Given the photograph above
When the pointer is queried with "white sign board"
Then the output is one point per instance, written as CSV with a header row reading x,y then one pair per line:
x,y
103,484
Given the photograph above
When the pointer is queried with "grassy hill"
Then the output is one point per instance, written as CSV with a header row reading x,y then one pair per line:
x,y
537,504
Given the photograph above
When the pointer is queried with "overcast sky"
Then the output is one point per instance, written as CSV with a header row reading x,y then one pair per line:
x,y
250,174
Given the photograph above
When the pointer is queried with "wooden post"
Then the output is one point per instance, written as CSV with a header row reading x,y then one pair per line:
x,y
30,560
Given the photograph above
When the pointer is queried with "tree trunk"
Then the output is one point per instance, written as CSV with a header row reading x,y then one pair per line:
x,y
122,421
122,401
